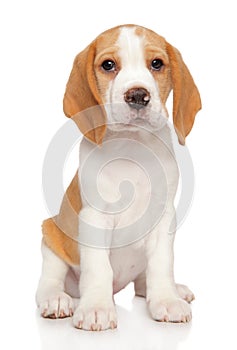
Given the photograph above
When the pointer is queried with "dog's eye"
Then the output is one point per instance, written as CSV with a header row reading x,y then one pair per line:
x,y
157,64
108,65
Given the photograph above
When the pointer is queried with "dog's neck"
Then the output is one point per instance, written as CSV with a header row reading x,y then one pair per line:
x,y
147,137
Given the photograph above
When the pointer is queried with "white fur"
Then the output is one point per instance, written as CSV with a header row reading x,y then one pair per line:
x,y
96,308
148,261
50,297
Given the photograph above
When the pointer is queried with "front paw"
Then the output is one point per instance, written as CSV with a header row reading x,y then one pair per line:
x,y
95,317
170,310
58,305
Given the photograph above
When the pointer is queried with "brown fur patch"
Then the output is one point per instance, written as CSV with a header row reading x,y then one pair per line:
x,y
62,245
60,233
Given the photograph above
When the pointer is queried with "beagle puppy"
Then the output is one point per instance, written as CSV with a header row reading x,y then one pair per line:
x,y
107,235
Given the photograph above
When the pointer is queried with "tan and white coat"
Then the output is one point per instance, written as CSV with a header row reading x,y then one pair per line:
x,y
99,273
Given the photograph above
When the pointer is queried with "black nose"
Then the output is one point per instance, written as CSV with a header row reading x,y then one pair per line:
x,y
137,98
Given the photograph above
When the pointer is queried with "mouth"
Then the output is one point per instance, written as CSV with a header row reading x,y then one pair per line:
x,y
138,117
124,117
147,119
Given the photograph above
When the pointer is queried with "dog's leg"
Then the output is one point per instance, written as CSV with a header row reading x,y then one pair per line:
x,y
164,302
50,296
96,309
140,285
140,288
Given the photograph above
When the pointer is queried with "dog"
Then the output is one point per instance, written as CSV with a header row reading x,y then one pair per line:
x,y
116,94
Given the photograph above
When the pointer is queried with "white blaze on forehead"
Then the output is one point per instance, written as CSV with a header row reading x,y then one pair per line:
x,y
131,48
134,71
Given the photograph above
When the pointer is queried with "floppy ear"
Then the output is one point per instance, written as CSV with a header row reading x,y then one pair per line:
x,y
81,94
186,98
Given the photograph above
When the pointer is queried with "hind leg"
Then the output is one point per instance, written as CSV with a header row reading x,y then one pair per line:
x,y
140,288
140,285
185,293
51,299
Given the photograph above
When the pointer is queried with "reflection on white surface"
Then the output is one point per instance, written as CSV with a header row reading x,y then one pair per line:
x,y
136,330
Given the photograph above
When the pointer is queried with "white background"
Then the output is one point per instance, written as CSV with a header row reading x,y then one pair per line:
x,y
39,40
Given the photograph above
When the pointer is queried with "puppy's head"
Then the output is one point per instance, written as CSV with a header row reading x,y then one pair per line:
x,y
132,70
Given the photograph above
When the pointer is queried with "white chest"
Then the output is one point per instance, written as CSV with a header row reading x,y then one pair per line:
x,y
126,183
